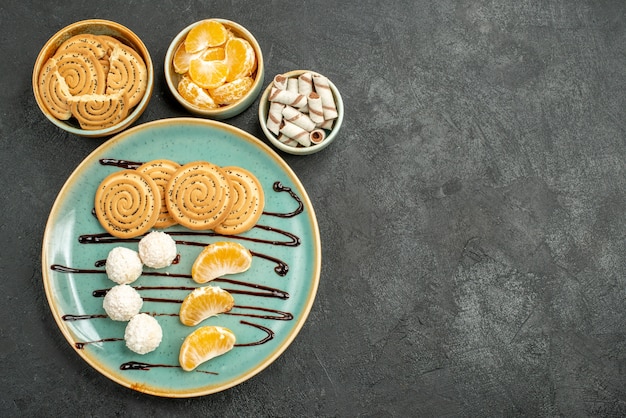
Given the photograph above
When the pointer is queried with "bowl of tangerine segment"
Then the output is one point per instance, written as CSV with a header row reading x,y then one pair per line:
x,y
214,68
93,78
301,112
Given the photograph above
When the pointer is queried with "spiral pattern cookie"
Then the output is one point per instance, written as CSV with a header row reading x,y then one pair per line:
x,y
248,202
161,172
127,72
127,203
92,44
98,111
54,91
82,72
199,196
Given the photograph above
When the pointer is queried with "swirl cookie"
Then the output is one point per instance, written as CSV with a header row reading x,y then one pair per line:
x,y
161,172
127,72
127,203
99,111
199,196
91,44
54,91
82,72
248,202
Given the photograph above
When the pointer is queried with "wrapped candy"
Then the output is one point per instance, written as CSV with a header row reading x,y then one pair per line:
x,y
322,87
275,117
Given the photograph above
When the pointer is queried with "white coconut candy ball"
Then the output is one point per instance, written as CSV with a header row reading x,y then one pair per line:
x,y
122,302
123,265
157,249
143,334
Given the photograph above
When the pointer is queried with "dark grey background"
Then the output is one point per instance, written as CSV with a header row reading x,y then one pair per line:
x,y
472,211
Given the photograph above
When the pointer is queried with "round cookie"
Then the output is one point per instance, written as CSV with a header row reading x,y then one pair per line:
x,y
127,203
54,91
99,111
248,202
82,72
161,172
127,72
198,195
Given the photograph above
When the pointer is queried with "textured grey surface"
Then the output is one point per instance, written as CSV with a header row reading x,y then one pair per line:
x,y
472,211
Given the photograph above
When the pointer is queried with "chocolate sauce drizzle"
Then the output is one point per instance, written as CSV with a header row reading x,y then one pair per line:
x,y
81,345
261,290
136,365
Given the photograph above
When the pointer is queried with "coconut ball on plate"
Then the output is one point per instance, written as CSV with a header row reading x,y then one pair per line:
x,y
122,302
123,265
157,249
143,334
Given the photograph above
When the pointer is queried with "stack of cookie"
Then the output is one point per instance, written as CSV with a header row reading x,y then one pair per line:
x,y
198,195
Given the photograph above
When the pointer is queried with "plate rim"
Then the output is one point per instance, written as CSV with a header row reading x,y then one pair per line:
x,y
315,277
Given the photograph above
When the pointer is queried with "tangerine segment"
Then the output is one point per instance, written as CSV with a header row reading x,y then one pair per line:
x,y
195,94
231,92
220,258
240,58
208,74
204,344
182,58
212,54
204,302
206,34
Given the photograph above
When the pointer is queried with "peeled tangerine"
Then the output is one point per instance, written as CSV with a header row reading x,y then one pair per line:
x,y
208,74
203,303
220,258
195,94
204,344
240,58
206,34
231,92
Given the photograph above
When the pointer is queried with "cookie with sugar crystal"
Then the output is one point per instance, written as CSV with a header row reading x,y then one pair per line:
x,y
199,195
128,73
127,203
248,202
99,111
54,91
161,172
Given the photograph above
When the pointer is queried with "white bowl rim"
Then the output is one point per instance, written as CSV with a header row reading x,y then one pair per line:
x,y
263,108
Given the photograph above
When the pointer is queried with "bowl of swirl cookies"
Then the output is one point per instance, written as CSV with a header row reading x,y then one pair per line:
x,y
93,78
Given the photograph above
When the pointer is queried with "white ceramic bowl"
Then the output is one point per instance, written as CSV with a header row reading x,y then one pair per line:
x,y
172,77
331,134
95,27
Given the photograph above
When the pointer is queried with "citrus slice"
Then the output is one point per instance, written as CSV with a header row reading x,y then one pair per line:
x,y
240,58
204,302
206,34
220,258
232,92
204,344
208,74
213,54
182,58
195,94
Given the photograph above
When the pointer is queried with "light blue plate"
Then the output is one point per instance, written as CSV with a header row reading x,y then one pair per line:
x,y
73,274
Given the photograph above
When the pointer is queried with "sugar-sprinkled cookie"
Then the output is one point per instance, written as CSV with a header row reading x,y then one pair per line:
x,y
127,203
199,196
161,172
248,202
